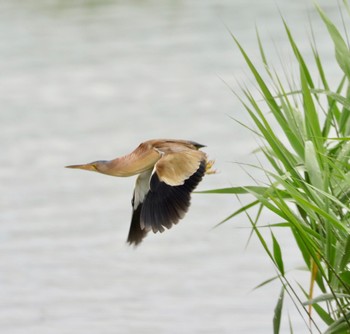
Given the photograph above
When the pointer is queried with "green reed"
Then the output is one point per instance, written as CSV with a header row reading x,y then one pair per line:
x,y
308,174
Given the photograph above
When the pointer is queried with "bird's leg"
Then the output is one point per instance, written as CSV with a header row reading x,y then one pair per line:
x,y
208,167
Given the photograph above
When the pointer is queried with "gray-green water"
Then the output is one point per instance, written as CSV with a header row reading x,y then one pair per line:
x,y
88,80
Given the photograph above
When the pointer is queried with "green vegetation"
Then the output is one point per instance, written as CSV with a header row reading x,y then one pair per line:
x,y
308,186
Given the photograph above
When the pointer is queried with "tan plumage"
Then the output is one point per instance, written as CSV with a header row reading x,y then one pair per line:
x,y
169,170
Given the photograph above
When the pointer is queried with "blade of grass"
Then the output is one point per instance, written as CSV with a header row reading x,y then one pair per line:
x,y
278,312
277,254
342,53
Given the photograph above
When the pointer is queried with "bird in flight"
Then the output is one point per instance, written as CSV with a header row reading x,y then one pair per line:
x,y
168,171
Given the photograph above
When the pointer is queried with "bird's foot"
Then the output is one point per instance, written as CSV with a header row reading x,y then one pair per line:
x,y
208,167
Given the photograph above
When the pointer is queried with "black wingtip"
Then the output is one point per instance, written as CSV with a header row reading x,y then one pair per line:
x,y
136,233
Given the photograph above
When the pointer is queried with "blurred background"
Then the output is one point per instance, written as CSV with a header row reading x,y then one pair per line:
x,y
88,80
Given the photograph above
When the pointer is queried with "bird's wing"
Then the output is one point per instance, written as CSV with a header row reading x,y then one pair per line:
x,y
175,167
173,179
136,234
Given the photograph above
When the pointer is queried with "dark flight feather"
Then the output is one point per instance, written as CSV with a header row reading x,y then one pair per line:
x,y
165,205
136,234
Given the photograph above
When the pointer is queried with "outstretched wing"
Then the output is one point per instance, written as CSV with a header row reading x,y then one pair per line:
x,y
174,177
162,196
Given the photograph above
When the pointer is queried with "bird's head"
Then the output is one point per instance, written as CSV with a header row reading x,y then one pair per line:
x,y
99,166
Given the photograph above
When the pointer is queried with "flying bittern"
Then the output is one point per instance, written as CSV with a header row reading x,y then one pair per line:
x,y
169,170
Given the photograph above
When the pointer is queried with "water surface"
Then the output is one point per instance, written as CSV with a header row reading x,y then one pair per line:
x,y
82,81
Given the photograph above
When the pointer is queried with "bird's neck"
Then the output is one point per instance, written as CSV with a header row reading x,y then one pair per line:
x,y
117,167
127,166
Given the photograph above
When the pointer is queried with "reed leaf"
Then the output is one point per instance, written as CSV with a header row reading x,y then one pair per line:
x,y
278,313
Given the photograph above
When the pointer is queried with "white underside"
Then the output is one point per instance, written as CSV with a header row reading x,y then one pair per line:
x,y
142,186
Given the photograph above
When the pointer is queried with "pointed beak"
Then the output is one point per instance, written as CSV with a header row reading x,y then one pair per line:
x,y
89,166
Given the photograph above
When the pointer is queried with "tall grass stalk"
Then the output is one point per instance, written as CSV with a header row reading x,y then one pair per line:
x,y
309,177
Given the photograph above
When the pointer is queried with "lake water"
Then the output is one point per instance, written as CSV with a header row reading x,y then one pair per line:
x,y
88,80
